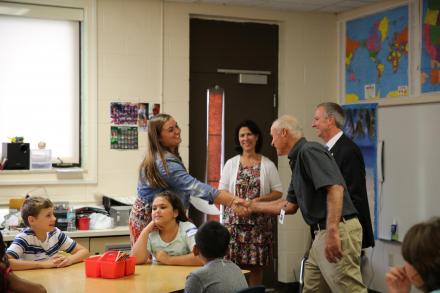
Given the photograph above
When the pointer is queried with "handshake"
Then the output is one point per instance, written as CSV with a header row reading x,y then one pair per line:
x,y
241,207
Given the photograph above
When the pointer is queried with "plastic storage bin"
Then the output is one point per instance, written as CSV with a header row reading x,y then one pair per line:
x,y
130,265
41,159
106,267
111,269
93,266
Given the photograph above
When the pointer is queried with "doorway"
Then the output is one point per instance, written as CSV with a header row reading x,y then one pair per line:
x,y
217,47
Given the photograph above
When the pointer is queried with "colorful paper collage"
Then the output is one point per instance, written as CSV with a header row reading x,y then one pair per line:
x,y
124,137
127,119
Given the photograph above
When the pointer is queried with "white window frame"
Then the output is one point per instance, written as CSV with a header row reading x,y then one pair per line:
x,y
85,12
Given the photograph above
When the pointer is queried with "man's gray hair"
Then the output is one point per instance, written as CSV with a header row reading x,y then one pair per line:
x,y
333,109
290,123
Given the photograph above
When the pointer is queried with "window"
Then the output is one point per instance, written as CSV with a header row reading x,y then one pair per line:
x,y
40,77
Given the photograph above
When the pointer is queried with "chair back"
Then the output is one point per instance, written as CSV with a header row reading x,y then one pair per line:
x,y
253,289
16,203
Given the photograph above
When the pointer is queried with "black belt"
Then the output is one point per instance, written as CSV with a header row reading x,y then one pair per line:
x,y
321,224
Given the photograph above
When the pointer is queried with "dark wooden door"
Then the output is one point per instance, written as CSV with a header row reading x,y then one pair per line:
x,y
242,101
232,45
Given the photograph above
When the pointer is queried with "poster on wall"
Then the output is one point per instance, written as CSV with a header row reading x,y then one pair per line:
x,y
154,110
123,113
430,63
376,56
361,126
146,111
127,119
124,137
142,116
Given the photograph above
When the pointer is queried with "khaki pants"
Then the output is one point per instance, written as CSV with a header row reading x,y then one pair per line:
x,y
343,276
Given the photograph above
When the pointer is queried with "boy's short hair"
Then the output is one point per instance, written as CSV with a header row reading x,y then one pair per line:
x,y
32,207
212,239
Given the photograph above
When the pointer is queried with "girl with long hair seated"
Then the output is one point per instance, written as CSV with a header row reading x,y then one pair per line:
x,y
169,238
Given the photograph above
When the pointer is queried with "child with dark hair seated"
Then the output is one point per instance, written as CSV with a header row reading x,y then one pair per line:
x,y
169,238
217,274
10,282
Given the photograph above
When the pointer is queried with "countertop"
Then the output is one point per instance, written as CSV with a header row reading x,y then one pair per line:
x,y
9,235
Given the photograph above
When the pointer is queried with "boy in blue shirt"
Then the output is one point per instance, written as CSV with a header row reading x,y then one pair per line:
x,y
217,274
38,246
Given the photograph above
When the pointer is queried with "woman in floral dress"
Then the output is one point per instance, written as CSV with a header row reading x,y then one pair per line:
x,y
254,177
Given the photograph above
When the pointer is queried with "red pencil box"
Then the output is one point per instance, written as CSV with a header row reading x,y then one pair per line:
x,y
106,266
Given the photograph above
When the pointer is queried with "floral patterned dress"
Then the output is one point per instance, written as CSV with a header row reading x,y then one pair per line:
x,y
251,236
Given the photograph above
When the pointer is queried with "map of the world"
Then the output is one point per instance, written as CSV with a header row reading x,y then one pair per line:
x,y
431,46
376,56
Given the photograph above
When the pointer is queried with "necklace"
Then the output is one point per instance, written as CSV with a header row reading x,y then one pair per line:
x,y
250,160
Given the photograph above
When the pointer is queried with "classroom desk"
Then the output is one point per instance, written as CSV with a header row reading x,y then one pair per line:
x,y
147,278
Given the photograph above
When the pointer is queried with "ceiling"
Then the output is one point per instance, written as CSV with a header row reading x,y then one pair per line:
x,y
328,6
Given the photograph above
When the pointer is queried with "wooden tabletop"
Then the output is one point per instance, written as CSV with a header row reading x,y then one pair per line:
x,y
147,278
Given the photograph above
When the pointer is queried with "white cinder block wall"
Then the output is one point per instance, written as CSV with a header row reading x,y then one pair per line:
x,y
307,64
143,56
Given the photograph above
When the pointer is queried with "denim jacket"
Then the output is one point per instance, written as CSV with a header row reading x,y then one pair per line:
x,y
179,182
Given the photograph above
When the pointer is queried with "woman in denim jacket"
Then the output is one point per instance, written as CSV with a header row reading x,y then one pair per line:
x,y
162,169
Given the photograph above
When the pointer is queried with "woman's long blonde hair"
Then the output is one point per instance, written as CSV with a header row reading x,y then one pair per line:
x,y
154,148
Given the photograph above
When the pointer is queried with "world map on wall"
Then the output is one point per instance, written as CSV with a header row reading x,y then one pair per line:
x,y
376,56
430,64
